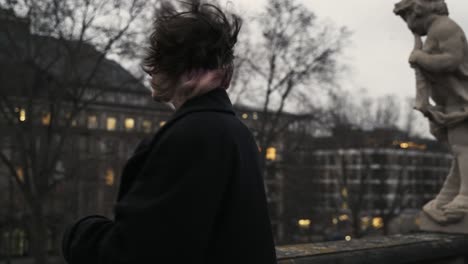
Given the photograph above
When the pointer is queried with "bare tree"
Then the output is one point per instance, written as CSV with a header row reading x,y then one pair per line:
x,y
370,188
391,196
367,114
353,187
53,59
242,77
295,54
363,111
293,59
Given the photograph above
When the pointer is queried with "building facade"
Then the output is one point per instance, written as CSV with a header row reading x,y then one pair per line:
x,y
86,138
340,190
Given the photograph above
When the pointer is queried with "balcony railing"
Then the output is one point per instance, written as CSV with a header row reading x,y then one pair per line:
x,y
427,248
421,248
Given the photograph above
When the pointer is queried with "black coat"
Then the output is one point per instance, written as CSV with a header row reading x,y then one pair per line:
x,y
193,194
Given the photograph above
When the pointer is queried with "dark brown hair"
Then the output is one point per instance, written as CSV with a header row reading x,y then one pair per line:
x,y
202,37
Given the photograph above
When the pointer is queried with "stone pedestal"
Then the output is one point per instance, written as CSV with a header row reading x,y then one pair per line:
x,y
426,224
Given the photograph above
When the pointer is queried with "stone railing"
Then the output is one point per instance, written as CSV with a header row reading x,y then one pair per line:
x,y
424,248
427,248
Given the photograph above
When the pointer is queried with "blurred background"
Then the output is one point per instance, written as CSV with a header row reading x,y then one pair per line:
x,y
324,85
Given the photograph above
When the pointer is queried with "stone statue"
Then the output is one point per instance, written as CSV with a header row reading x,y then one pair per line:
x,y
441,67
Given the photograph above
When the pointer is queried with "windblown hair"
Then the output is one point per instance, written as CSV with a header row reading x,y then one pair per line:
x,y
202,37
421,7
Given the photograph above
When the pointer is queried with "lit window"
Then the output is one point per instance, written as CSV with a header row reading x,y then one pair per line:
x,y
255,116
409,145
344,192
417,221
92,121
345,206
404,145
343,217
22,115
46,119
129,123
271,153
377,222
304,223
111,123
20,174
162,123
109,178
74,123
147,126
365,222
245,116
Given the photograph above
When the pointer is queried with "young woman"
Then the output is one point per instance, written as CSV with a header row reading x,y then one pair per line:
x,y
194,193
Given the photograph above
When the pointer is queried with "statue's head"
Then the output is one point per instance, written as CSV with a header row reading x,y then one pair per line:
x,y
417,12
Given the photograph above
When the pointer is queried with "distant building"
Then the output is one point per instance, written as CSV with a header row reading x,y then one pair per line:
x,y
101,138
368,177
281,151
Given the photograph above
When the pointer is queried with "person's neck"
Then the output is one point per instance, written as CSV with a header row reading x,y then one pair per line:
x,y
199,82
177,103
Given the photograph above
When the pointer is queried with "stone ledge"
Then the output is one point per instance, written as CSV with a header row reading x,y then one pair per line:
x,y
414,248
428,225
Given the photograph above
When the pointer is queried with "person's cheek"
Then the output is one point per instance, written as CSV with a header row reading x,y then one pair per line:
x,y
153,83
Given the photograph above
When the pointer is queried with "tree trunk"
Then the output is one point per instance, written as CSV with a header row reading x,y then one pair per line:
x,y
38,239
386,226
8,242
9,225
356,225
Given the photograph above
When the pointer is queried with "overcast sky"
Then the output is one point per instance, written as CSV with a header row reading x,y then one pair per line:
x,y
380,44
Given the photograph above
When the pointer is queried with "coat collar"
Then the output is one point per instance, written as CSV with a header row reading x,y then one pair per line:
x,y
213,101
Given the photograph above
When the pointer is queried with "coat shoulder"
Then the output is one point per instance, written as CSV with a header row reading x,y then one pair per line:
x,y
209,126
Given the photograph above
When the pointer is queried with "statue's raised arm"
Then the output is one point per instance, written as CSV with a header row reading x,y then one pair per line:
x,y
447,52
